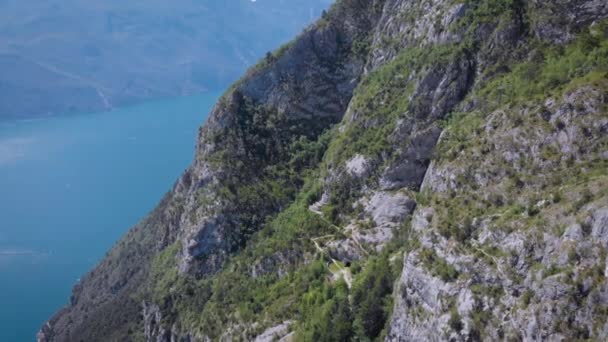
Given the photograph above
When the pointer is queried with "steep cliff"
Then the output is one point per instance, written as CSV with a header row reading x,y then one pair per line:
x,y
403,170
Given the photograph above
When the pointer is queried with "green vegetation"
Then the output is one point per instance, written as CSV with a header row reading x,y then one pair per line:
x,y
526,297
381,99
437,265
586,196
326,310
329,315
489,11
164,273
372,303
465,142
234,295
554,70
361,45
269,169
455,321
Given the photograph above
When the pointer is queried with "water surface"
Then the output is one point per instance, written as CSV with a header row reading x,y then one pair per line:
x,y
70,186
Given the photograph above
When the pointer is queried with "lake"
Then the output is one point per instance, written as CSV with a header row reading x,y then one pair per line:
x,y
70,186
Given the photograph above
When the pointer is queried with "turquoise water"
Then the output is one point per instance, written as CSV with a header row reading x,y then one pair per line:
x,y
71,186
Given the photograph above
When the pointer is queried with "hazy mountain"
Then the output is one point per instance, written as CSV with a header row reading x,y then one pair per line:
x,y
77,55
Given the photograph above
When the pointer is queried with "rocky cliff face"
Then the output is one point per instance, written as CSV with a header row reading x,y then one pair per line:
x,y
403,170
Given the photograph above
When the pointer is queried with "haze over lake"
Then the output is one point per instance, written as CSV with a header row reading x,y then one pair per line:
x,y
71,186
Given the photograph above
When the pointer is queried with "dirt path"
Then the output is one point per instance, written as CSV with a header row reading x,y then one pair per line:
x,y
342,272
498,268
340,230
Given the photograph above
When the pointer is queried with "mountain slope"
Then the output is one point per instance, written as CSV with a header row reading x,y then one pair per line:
x,y
404,170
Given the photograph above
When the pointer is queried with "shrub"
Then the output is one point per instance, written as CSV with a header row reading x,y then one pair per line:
x,y
455,321
438,266
370,294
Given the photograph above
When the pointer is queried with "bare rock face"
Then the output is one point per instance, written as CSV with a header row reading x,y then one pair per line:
x,y
387,209
275,333
153,330
572,16
541,273
412,24
358,166
599,226
444,135
414,161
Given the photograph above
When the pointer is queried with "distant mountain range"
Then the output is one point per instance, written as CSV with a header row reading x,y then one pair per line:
x,y
61,56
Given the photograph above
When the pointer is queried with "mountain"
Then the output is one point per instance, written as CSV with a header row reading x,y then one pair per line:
x,y
61,56
404,170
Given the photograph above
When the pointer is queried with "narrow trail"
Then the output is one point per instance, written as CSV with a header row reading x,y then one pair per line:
x,y
498,268
343,272
340,230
